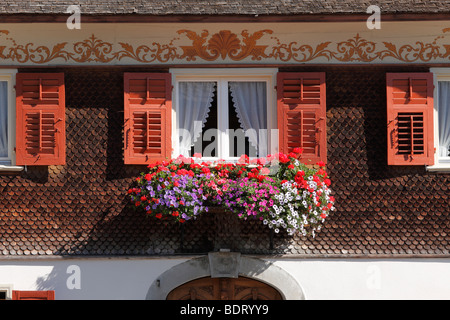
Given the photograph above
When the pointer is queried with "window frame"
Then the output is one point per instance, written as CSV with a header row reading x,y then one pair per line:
x,y
8,289
222,76
9,75
441,164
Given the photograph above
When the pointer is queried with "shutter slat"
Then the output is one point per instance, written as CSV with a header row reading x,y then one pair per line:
x,y
410,118
40,103
302,114
148,108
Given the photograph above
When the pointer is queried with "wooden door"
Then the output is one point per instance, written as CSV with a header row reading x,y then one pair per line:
x,y
224,289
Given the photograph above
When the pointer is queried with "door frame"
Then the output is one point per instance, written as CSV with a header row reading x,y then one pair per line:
x,y
240,288
253,268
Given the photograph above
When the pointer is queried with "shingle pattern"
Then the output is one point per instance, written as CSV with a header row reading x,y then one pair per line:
x,y
222,7
82,209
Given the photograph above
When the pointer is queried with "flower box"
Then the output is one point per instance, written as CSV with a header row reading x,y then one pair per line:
x,y
278,190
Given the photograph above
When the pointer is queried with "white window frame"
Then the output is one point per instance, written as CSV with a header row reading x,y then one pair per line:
x,y
8,288
440,164
222,76
9,75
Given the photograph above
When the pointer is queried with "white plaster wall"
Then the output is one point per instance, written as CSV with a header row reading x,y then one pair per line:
x,y
106,279
407,279
329,279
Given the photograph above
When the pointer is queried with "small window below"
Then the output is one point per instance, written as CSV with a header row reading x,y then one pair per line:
x,y
6,291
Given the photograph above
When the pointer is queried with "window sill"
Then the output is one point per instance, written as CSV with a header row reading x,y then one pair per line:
x,y
10,169
439,168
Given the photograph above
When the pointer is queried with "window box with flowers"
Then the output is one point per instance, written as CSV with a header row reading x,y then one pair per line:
x,y
278,190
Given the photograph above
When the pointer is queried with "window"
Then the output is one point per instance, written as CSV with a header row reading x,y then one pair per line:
x,y
224,113
7,119
6,291
441,119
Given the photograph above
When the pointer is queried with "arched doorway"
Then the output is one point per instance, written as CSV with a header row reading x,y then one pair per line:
x,y
240,288
198,268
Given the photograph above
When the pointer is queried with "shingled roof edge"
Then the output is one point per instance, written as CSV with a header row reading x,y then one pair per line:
x,y
219,7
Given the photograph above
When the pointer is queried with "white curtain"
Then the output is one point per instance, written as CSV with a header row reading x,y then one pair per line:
x,y
3,119
250,101
195,100
444,119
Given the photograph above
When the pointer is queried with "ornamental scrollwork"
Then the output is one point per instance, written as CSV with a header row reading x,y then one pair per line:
x,y
224,45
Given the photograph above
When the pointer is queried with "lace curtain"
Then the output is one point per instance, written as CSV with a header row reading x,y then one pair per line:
x,y
194,105
250,101
444,119
3,119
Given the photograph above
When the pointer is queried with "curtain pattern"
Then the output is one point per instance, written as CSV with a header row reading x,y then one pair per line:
x,y
3,119
194,105
250,101
444,118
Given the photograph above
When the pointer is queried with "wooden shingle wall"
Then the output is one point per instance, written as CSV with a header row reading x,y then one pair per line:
x,y
81,208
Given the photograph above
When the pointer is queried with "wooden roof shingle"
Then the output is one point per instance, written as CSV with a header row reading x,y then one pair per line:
x,y
222,7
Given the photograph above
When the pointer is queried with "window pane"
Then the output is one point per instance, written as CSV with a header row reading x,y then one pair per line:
x,y
207,144
195,101
3,119
239,144
248,118
444,118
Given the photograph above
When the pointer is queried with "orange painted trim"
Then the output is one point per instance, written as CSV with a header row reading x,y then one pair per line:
x,y
394,158
40,105
319,110
33,295
130,157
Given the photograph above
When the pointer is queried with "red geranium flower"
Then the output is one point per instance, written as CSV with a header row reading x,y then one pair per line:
x,y
321,164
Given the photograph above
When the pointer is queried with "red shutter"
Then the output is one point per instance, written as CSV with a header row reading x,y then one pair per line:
x,y
302,115
33,295
410,118
148,117
40,119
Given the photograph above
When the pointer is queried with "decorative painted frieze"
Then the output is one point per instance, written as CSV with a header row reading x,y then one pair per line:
x,y
224,46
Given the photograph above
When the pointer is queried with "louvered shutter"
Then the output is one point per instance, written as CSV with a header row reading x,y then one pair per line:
x,y
302,114
33,295
148,111
40,119
410,118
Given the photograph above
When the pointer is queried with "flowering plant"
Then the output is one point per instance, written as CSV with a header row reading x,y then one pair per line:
x,y
278,190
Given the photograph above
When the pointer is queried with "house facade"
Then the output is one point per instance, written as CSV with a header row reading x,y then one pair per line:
x,y
365,94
